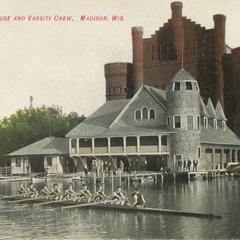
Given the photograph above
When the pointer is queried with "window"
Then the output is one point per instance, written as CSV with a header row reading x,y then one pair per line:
x,y
49,161
190,122
164,140
177,86
199,152
108,90
138,114
223,125
205,122
188,86
215,123
152,114
177,122
168,120
18,162
198,122
145,113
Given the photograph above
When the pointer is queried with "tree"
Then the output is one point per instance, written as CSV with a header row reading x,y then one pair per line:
x,y
30,125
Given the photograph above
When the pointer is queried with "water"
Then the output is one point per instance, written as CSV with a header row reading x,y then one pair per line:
x,y
221,196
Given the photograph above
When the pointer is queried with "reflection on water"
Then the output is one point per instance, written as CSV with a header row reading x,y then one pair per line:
x,y
221,196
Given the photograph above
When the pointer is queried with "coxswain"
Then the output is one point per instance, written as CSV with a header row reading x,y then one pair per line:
x,y
85,194
70,194
100,195
32,191
45,192
139,200
118,196
55,192
21,190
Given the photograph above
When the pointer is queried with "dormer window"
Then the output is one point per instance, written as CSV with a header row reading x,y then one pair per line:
x,y
177,86
215,123
205,122
223,125
188,86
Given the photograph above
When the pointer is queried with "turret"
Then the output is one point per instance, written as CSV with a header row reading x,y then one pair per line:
x,y
183,118
137,54
118,80
177,28
219,36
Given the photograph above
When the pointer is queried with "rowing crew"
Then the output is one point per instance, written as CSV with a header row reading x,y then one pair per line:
x,y
84,195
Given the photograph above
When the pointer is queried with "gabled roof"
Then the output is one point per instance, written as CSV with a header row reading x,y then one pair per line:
x,y
103,121
203,109
182,75
219,112
100,120
46,146
157,93
211,111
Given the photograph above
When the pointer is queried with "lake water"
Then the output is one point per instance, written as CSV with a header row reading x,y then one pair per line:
x,y
220,196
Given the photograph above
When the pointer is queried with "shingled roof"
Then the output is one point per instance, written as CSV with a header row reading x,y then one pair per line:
x,y
203,109
46,146
102,122
97,123
211,111
182,75
219,136
219,112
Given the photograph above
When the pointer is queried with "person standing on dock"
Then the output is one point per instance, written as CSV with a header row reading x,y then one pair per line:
x,y
139,201
189,163
195,163
32,191
118,196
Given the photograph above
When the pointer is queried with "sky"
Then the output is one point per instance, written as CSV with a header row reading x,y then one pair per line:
x,y
62,63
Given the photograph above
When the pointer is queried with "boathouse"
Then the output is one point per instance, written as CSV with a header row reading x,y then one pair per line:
x,y
49,153
157,129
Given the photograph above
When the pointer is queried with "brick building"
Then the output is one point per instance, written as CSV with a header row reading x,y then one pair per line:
x,y
205,55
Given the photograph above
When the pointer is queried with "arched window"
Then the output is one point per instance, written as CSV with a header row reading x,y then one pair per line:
x,y
205,119
152,114
215,123
145,113
138,114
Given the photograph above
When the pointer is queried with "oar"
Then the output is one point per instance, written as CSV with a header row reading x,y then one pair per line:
x,y
79,205
6,197
22,200
49,202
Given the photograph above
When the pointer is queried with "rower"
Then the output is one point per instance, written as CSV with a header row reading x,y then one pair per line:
x,y
21,190
100,195
85,194
139,201
70,194
55,192
32,191
44,192
118,196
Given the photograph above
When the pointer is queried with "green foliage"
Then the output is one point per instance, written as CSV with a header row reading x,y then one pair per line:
x,y
30,125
